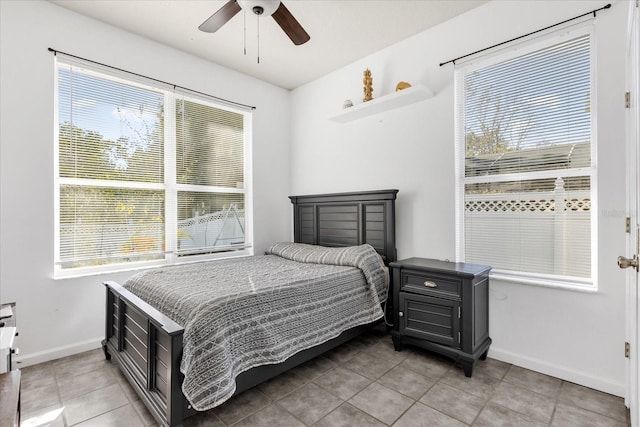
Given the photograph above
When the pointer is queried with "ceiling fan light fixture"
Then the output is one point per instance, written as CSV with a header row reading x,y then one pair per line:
x,y
260,7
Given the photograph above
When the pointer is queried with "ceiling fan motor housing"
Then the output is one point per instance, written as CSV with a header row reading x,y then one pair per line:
x,y
260,7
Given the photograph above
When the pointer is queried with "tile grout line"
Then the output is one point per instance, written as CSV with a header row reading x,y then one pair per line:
x,y
438,410
64,415
55,377
555,404
553,413
294,417
486,402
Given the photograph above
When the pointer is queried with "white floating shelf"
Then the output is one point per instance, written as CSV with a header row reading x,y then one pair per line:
x,y
384,103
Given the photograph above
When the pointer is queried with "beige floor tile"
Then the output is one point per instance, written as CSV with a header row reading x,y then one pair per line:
x,y
124,416
369,366
314,368
78,385
534,405
342,383
310,403
242,405
384,349
39,398
427,364
71,368
492,367
481,385
571,416
347,415
92,404
422,415
203,419
52,416
493,415
593,400
36,376
534,381
282,385
271,416
144,414
343,353
381,402
453,402
407,382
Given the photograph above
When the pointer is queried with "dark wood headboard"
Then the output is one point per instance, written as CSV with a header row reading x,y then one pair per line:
x,y
347,219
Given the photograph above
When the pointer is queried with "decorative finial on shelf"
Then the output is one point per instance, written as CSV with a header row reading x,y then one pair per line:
x,y
368,85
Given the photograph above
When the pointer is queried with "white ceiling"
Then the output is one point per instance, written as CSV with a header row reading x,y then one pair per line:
x,y
342,31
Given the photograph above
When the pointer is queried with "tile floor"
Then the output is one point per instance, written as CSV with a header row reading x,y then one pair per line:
x,y
361,383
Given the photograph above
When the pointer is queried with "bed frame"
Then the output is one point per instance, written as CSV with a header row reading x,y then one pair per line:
x,y
147,345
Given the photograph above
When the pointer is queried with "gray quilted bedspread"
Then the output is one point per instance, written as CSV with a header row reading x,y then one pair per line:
x,y
246,312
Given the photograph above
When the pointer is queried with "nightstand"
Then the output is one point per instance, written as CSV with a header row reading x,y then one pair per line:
x,y
443,307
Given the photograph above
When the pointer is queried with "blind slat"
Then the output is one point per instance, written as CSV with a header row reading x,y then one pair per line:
x,y
530,114
116,205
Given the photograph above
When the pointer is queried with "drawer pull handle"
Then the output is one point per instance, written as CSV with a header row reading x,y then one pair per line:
x,y
400,314
429,284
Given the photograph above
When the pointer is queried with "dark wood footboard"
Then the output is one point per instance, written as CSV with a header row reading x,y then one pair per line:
x,y
148,347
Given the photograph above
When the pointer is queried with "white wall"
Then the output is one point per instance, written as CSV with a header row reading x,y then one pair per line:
x,y
572,335
57,318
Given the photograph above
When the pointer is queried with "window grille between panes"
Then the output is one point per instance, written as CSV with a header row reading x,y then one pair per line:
x,y
135,184
525,170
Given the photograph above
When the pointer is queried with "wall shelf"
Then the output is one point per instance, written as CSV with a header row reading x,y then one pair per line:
x,y
384,103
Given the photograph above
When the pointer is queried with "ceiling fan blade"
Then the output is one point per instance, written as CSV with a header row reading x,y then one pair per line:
x,y
290,25
221,17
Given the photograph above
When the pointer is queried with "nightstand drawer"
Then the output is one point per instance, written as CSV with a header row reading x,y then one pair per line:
x,y
430,284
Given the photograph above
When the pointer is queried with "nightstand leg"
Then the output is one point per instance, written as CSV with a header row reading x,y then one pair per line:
x,y
397,343
484,355
468,369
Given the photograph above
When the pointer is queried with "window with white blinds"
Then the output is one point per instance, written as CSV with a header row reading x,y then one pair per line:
x,y
145,175
525,162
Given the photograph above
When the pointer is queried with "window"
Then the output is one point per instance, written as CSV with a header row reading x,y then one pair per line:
x,y
146,175
525,162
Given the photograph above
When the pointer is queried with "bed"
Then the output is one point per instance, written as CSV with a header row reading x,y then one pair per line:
x,y
340,237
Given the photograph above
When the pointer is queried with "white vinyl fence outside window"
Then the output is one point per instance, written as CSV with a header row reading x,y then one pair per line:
x,y
525,166
145,175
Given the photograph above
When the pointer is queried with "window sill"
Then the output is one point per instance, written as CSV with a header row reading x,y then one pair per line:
x,y
122,268
568,284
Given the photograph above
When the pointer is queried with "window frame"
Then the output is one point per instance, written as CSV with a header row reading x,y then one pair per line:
x,y
586,28
169,186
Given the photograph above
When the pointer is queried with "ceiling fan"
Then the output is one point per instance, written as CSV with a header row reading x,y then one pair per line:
x,y
275,8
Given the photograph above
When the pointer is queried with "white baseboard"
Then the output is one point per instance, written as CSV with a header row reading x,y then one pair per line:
x,y
22,361
586,379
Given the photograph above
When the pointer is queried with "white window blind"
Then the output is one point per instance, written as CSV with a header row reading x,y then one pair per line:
x,y
210,173
144,175
525,170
